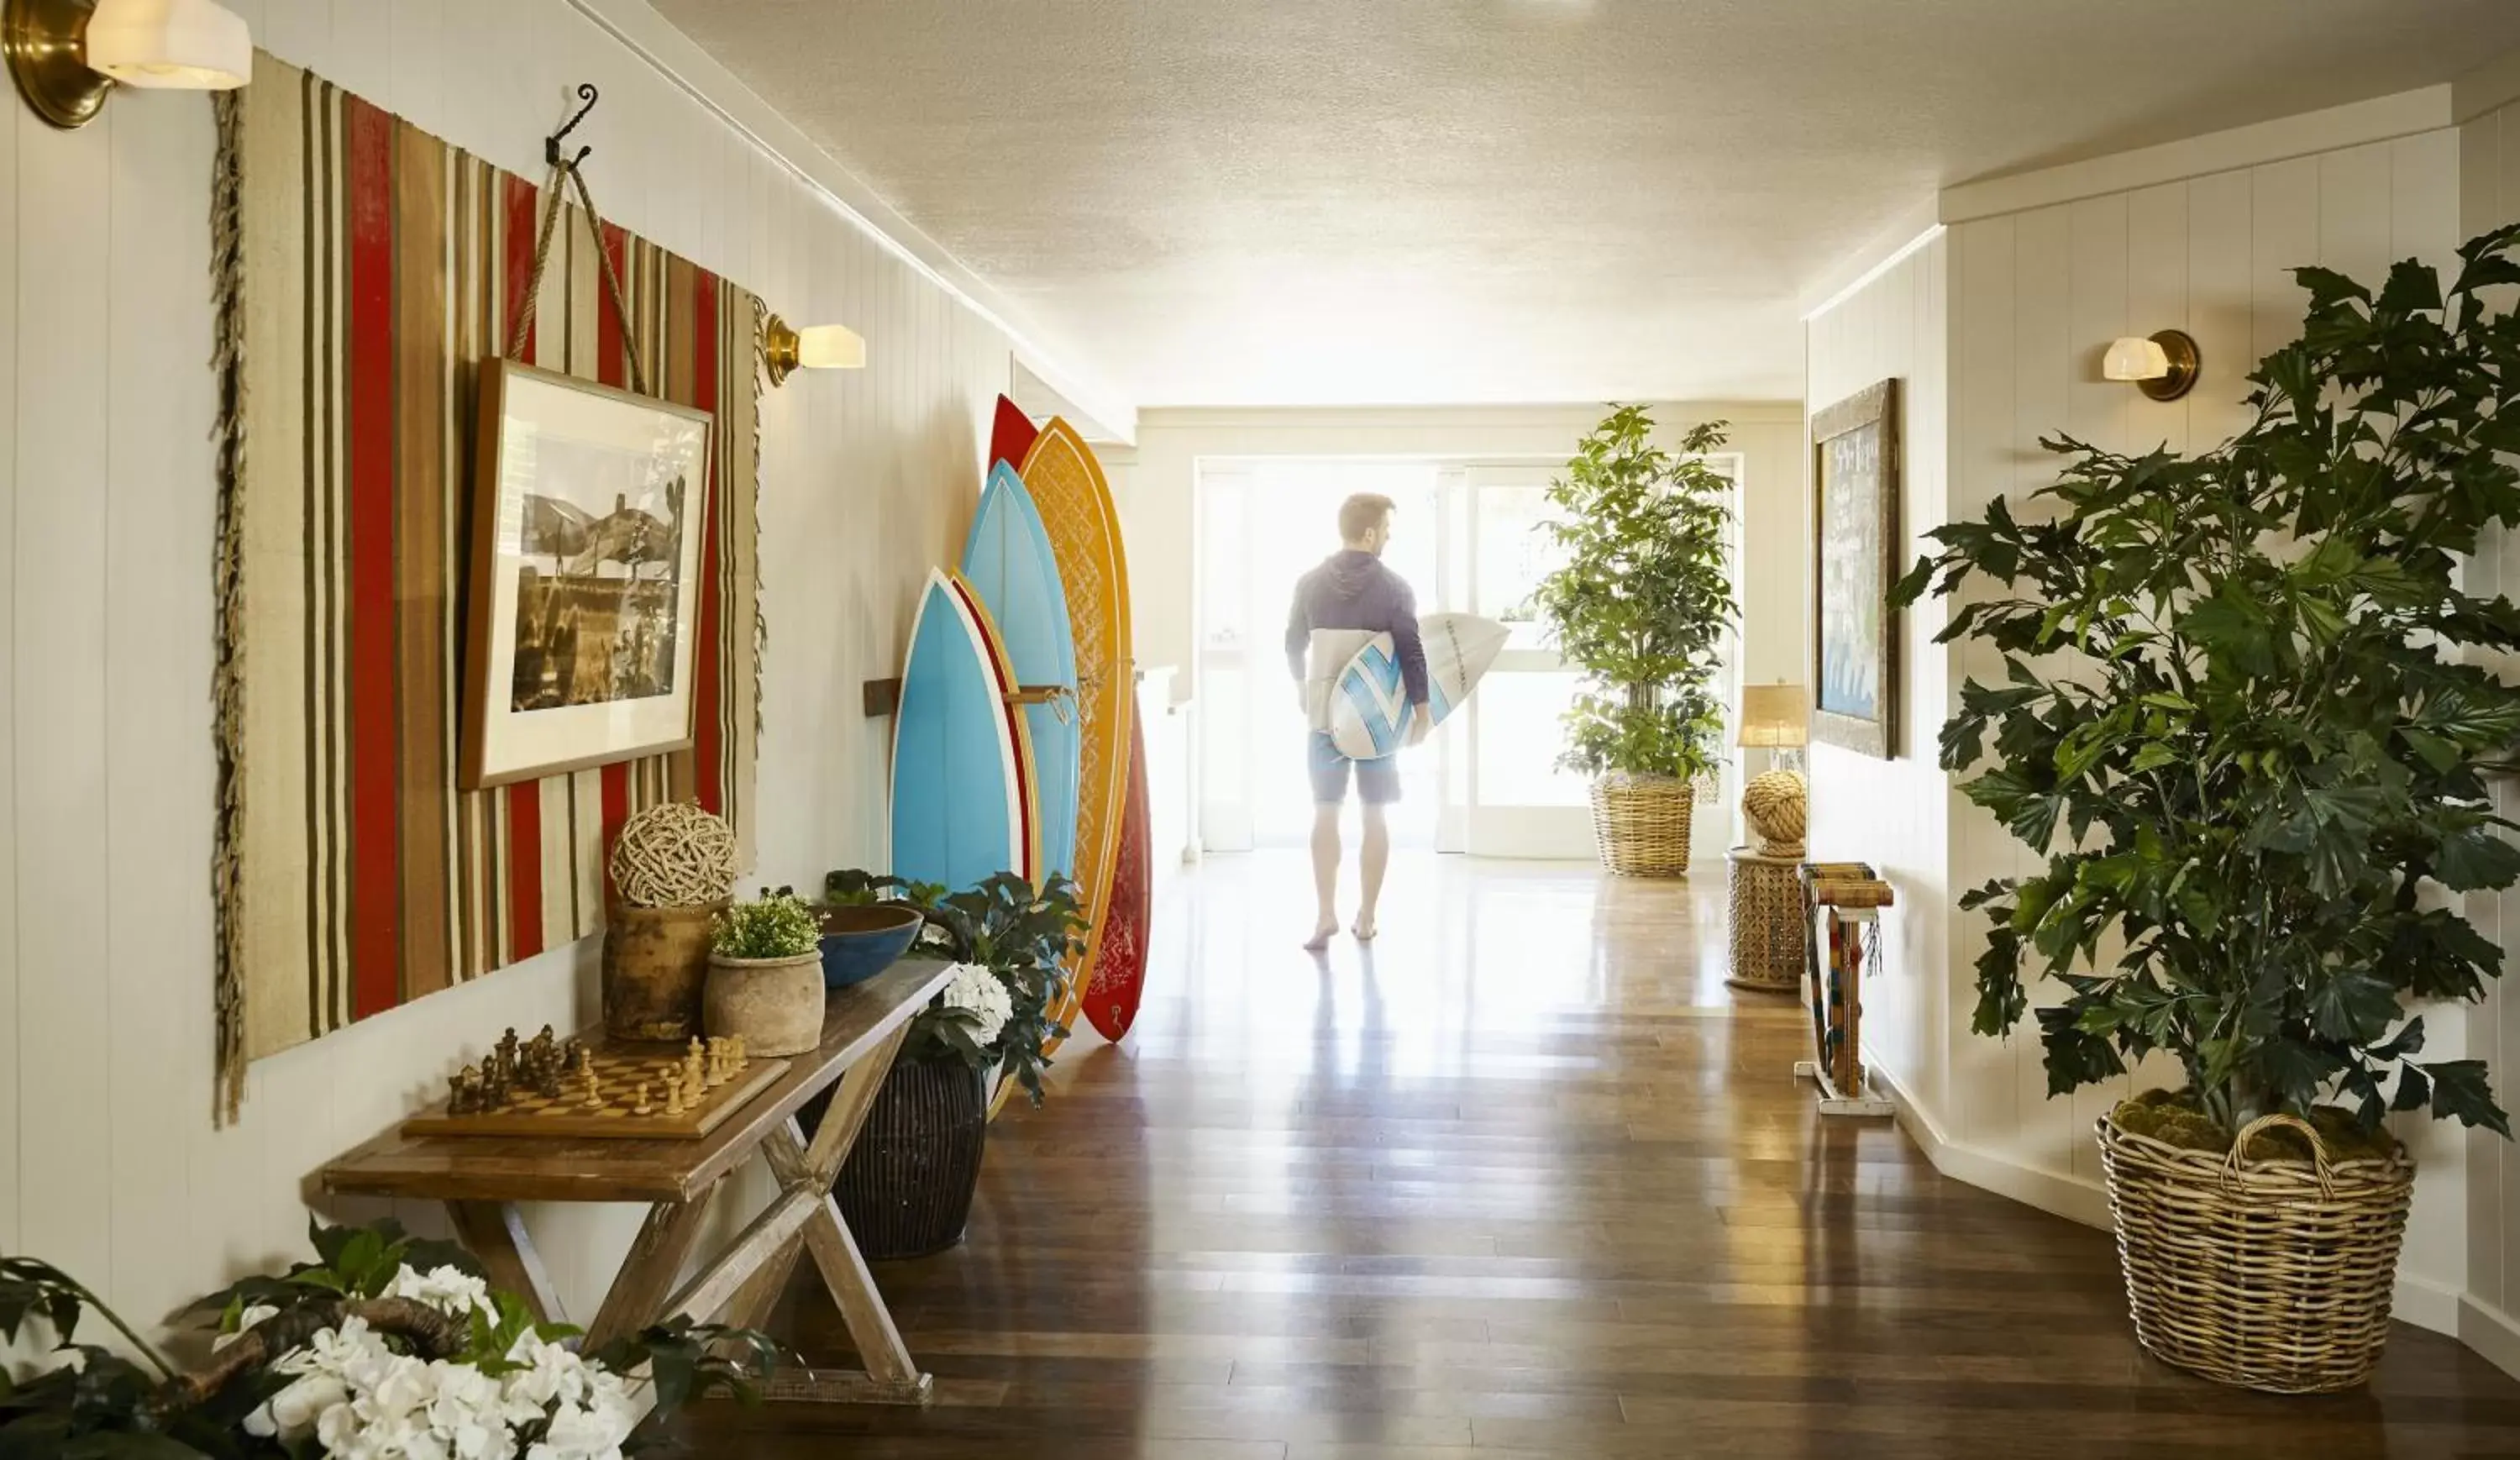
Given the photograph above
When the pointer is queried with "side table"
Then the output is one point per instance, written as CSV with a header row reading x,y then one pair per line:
x,y
1767,931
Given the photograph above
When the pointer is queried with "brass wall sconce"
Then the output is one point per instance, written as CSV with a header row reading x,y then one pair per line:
x,y
2163,366
786,349
67,55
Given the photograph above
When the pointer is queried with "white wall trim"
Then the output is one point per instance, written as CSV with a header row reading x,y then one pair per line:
x,y
1412,418
2492,1331
2379,120
2495,83
1911,231
2068,1196
675,57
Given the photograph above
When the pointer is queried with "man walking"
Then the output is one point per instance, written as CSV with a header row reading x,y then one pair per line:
x,y
1338,607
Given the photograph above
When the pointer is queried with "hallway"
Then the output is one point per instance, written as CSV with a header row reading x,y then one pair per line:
x,y
1524,1179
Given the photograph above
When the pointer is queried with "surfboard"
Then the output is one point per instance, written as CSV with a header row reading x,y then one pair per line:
x,y
962,754
1369,710
1008,559
1119,979
1084,527
1010,434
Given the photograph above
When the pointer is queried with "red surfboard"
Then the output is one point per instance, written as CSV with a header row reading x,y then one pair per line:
x,y
1119,979
1012,434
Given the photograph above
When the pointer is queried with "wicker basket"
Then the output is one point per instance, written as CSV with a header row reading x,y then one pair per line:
x,y
1642,824
1769,932
2271,1275
906,1189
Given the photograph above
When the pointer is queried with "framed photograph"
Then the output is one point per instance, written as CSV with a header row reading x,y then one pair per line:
x,y
1855,509
587,511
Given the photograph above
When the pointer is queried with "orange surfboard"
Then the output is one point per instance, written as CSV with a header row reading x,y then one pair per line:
x,y
1076,509
1119,977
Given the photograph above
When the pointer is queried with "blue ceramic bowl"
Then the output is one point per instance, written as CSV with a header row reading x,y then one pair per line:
x,y
859,942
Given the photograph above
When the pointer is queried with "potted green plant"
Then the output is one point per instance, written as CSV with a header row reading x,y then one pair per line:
x,y
386,1346
765,979
907,1187
1640,605
2246,713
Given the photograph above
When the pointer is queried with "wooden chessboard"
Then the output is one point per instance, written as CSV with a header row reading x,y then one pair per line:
x,y
619,1070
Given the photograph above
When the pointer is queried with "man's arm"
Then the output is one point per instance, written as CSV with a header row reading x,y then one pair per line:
x,y
1300,633
1413,649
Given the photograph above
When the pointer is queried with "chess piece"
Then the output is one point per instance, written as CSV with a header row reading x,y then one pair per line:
x,y
641,1107
594,1091
716,1061
673,1093
743,1060
458,1092
695,1071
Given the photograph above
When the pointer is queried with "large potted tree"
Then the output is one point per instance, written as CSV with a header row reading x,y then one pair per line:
x,y
1640,605
2246,714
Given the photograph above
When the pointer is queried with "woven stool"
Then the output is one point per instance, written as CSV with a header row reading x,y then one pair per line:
x,y
1767,931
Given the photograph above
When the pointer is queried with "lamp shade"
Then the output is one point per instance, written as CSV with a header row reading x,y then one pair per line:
x,y
1773,716
192,45
829,348
2135,358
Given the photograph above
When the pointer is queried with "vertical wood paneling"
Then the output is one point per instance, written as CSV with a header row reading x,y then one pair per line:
x,y
64,906
156,749
2423,200
11,1192
2354,213
2284,214
2157,300
108,1161
2220,307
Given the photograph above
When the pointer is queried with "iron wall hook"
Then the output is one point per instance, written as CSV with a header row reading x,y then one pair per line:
x,y
586,94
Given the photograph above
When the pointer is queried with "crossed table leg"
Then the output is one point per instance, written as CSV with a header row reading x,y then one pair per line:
x,y
745,1279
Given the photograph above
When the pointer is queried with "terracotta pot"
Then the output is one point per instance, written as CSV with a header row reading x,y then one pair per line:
x,y
775,1003
655,964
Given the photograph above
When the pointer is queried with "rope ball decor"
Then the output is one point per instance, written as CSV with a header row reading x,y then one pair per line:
x,y
1777,807
674,855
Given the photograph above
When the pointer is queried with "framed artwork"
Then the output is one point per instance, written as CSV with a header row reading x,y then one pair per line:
x,y
586,574
1855,509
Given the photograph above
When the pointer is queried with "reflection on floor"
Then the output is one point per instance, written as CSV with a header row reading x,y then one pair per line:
x,y
1524,1179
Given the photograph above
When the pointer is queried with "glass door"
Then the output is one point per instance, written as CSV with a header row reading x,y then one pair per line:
x,y
1515,800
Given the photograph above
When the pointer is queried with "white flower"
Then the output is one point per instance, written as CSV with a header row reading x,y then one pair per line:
x,y
449,1290
245,1320
977,988
292,1413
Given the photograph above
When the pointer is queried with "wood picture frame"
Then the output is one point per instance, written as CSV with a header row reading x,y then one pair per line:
x,y
1856,459
583,616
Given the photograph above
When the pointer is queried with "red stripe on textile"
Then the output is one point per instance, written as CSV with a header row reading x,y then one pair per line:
x,y
524,870
521,226
526,799
375,887
612,364
708,655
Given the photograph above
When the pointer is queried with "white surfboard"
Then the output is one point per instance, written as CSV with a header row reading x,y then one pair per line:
x,y
1370,710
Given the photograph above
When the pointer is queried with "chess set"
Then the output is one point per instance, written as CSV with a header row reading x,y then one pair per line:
x,y
546,1086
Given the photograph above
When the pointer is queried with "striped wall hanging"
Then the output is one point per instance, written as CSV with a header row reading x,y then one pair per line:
x,y
364,268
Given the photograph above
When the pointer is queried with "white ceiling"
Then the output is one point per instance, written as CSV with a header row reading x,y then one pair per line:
x,y
1340,202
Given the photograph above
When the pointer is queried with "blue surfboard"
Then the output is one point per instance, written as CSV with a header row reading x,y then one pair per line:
x,y
962,756
1007,560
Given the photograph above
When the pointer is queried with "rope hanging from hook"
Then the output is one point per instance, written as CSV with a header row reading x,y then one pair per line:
x,y
570,170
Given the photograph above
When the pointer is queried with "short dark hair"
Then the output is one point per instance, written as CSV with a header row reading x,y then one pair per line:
x,y
1361,514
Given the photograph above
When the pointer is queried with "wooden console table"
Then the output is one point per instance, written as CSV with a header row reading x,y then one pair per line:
x,y
481,1180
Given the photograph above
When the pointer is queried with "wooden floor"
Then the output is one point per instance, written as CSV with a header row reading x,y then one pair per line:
x,y
1524,1180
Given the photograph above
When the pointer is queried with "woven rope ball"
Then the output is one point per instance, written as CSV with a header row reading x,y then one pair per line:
x,y
674,855
1778,808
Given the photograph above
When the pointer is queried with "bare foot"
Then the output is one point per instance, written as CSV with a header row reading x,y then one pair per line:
x,y
1322,936
1364,930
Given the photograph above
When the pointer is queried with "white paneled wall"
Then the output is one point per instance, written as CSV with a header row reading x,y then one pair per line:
x,y
2009,315
2489,1316
1893,813
108,1160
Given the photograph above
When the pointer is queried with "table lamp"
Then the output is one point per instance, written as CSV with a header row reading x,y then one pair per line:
x,y
1776,717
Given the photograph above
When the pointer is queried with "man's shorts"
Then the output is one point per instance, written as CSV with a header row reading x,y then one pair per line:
x,y
1378,782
